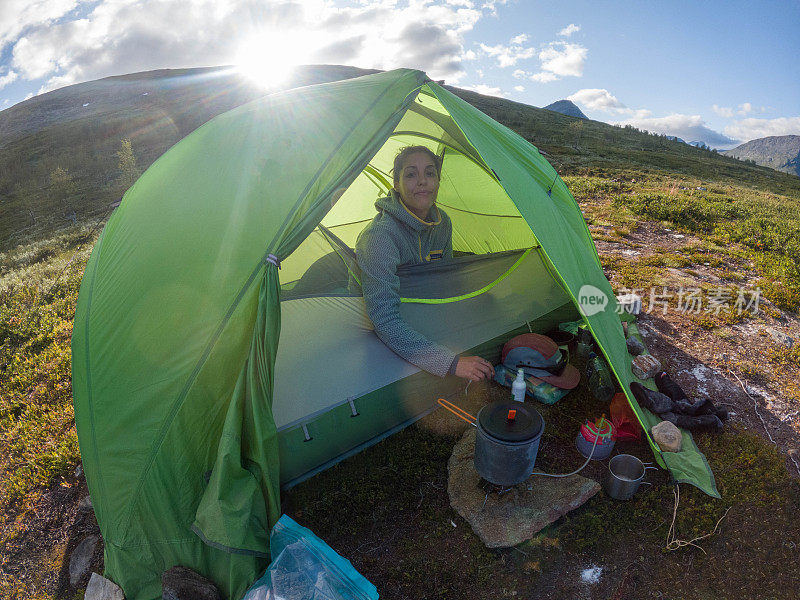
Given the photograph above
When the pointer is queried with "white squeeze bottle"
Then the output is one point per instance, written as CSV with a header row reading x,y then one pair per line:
x,y
518,387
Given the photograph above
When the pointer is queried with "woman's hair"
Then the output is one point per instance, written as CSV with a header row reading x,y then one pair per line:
x,y
405,153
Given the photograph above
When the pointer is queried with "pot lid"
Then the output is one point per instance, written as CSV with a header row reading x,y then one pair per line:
x,y
526,423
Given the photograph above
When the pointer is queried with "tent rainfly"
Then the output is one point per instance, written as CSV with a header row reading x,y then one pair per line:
x,y
219,354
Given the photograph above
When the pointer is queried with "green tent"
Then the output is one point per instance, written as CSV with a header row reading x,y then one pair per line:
x,y
205,377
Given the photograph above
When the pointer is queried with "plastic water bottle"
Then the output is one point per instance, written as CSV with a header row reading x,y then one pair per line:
x,y
599,377
518,388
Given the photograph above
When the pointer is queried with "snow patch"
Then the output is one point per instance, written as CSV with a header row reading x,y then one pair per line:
x,y
85,105
591,575
629,252
146,93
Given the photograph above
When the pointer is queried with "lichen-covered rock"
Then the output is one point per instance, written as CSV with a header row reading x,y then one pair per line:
x,y
645,366
80,561
667,436
635,347
181,583
100,588
85,505
779,337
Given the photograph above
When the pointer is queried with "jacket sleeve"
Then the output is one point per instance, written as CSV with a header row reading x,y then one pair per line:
x,y
378,257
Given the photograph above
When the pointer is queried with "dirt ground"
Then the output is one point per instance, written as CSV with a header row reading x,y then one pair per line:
x,y
387,509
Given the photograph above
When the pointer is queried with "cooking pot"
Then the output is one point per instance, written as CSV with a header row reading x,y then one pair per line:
x,y
624,476
506,442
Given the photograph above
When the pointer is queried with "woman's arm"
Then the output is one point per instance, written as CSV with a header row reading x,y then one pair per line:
x,y
378,257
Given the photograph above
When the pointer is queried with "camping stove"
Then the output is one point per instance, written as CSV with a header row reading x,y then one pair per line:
x,y
493,489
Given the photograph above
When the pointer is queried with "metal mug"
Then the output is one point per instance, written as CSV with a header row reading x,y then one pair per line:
x,y
623,476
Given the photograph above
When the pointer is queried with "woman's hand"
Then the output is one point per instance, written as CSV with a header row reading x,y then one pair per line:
x,y
474,368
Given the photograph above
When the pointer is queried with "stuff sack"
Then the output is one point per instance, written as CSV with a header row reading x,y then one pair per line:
x,y
305,568
626,427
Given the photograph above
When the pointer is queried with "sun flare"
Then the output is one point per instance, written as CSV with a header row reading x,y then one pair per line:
x,y
268,59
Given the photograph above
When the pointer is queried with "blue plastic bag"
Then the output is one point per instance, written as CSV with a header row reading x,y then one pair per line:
x,y
304,567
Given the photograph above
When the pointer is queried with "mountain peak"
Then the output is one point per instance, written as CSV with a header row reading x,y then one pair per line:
x,y
566,107
780,152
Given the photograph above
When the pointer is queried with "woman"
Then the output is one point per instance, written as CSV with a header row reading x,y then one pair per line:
x,y
410,229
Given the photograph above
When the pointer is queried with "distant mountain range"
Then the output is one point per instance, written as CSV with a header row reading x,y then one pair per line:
x,y
780,152
565,107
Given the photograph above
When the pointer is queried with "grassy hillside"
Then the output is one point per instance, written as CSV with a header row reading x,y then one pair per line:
x,y
79,129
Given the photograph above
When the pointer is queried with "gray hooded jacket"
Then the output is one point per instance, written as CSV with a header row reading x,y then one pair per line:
x,y
397,237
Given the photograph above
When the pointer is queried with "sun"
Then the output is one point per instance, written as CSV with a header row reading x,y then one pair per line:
x,y
269,58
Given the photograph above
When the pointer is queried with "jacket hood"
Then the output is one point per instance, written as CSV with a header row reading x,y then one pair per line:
x,y
393,205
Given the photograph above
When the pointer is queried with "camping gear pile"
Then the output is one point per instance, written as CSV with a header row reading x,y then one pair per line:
x,y
223,274
548,374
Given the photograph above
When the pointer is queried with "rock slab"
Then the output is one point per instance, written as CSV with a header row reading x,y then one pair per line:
x,y
667,436
181,583
645,366
779,337
80,561
506,520
100,588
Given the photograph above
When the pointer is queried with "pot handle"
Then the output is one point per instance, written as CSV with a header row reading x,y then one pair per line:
x,y
645,483
654,468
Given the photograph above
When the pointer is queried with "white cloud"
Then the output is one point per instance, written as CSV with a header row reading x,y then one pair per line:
x,y
688,127
569,30
743,109
49,41
486,90
563,59
520,74
508,56
519,88
491,6
722,111
9,77
16,16
752,128
544,77
599,99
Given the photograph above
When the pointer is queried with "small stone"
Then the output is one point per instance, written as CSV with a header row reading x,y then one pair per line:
x,y
646,366
85,505
181,583
779,337
667,436
793,452
635,347
79,471
80,561
100,588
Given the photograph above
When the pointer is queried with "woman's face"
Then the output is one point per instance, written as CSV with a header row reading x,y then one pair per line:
x,y
419,183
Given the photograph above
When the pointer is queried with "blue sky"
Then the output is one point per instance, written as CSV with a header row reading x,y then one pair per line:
x,y
718,72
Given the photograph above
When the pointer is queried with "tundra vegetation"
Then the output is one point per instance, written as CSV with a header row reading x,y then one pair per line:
x,y
386,509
